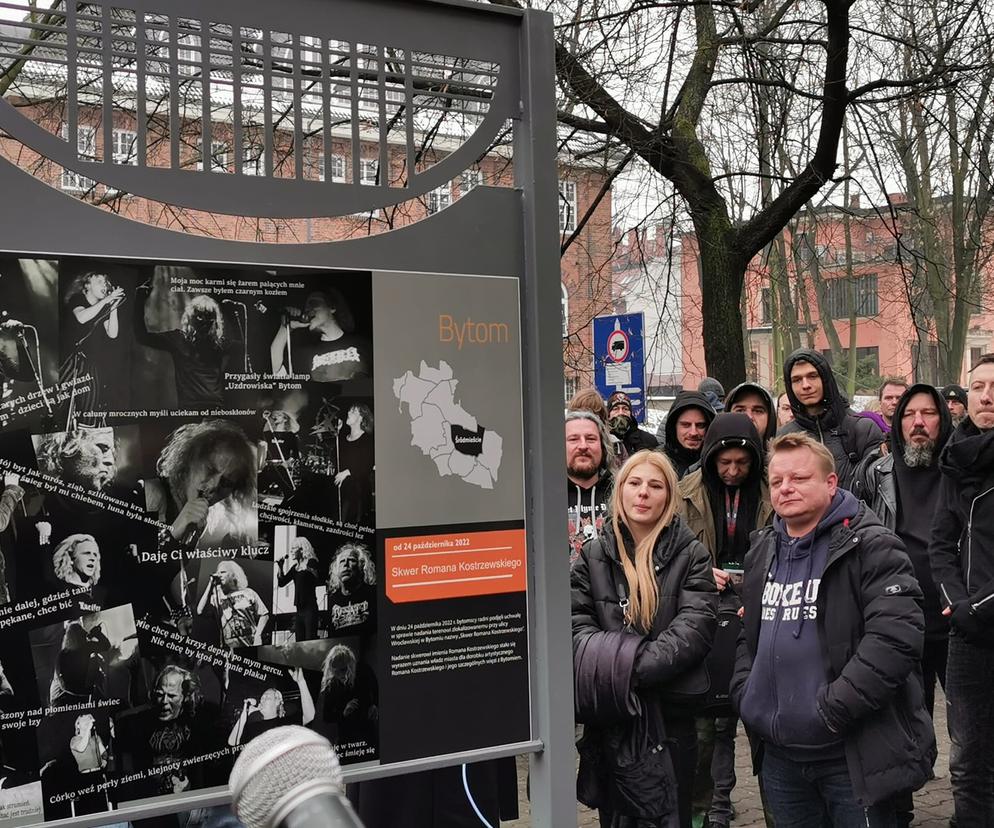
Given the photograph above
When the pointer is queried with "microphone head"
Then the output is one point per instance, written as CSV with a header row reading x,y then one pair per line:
x,y
278,769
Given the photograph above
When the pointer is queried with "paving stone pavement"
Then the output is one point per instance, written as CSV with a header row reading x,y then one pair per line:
x,y
933,803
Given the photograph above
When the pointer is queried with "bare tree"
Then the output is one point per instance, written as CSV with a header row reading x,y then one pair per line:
x,y
654,77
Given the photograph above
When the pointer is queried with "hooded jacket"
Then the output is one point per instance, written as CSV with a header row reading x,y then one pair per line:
x,y
869,626
683,458
848,437
907,507
697,488
768,401
586,511
962,545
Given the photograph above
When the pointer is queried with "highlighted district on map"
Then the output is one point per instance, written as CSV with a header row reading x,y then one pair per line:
x,y
444,430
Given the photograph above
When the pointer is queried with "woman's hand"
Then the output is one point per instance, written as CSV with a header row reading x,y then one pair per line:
x,y
721,577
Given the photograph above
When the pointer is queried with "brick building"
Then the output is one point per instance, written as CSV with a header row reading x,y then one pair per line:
x,y
886,339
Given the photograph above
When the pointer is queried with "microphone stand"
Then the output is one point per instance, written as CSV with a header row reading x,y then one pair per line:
x,y
243,329
35,368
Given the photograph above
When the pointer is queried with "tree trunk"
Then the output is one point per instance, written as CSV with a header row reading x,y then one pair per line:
x,y
722,279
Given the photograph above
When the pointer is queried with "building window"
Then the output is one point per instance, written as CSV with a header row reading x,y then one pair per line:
x,y
840,292
125,149
188,55
565,311
754,365
567,206
86,150
975,354
438,199
252,159
369,172
219,160
766,306
571,386
470,180
316,167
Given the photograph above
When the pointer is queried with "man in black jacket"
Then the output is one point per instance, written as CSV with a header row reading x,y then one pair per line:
x,y
821,410
686,424
834,705
902,488
622,423
962,555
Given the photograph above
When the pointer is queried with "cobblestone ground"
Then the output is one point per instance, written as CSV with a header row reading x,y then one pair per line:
x,y
933,803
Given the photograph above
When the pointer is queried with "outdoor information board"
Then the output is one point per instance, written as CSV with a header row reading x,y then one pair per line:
x,y
234,502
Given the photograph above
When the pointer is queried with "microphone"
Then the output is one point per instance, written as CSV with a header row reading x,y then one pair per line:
x,y
289,777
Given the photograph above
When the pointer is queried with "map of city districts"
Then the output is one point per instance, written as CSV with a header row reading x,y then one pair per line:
x,y
444,430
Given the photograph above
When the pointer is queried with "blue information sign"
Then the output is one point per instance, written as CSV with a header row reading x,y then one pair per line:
x,y
619,358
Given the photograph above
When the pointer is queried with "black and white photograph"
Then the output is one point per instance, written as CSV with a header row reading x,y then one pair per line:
x,y
87,659
323,330
77,759
319,455
233,598
345,690
159,742
29,352
95,309
189,339
325,586
203,487
255,706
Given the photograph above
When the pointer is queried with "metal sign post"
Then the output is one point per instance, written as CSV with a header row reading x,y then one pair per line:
x,y
619,358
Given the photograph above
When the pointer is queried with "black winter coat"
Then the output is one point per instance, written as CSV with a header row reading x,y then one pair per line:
x,y
679,640
687,616
872,632
962,545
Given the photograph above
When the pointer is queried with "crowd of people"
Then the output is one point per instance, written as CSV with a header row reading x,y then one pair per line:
x,y
794,566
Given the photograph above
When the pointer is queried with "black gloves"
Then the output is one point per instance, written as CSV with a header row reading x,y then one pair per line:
x,y
967,624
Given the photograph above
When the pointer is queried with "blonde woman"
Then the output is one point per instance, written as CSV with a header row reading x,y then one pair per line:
x,y
647,576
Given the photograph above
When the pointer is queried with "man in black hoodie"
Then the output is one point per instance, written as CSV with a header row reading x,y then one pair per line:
x,y
826,677
722,503
962,555
686,424
757,404
822,411
902,487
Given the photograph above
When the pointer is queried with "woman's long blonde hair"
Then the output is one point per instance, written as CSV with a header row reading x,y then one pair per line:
x,y
643,598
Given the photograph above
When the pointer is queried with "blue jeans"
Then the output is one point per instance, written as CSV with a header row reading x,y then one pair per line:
x,y
816,794
970,702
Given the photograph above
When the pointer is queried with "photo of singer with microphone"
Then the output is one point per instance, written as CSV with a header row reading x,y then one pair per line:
x,y
240,612
320,340
205,491
270,710
203,347
300,568
92,343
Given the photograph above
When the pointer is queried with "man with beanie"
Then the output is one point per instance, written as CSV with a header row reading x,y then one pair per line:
x,y
723,502
686,424
757,404
588,477
821,410
902,488
955,397
962,555
621,421
714,392
834,630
